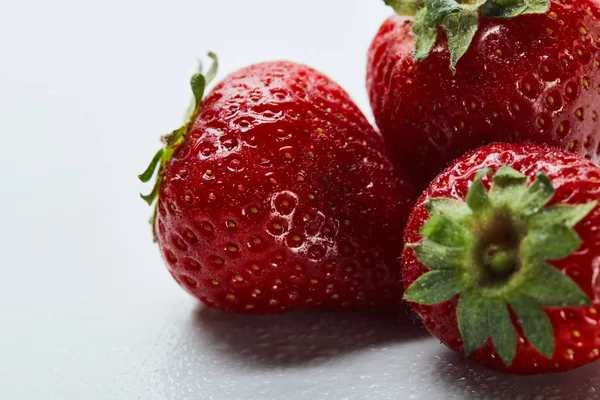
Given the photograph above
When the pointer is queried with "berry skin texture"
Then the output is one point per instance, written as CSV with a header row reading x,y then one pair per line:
x,y
576,329
532,78
280,197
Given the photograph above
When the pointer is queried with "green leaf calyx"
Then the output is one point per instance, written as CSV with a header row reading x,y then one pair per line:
x,y
493,251
198,84
459,19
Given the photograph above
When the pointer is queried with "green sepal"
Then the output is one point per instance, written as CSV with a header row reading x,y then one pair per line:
x,y
152,222
174,138
425,33
459,20
156,167
535,323
433,13
405,7
212,71
480,318
514,8
534,7
502,330
198,84
440,9
509,185
506,174
569,215
437,256
150,197
446,232
460,29
550,243
149,172
455,209
472,319
477,196
538,194
434,287
551,288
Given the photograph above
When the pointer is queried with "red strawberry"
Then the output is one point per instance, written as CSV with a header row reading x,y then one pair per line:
x,y
278,196
533,78
502,258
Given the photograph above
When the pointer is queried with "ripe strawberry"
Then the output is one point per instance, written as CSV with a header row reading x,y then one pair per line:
x,y
509,275
532,78
278,196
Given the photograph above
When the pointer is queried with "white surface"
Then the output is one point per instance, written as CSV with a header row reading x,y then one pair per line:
x,y
87,309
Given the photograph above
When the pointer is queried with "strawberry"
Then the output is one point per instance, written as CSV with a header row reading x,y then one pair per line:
x,y
277,195
458,76
502,258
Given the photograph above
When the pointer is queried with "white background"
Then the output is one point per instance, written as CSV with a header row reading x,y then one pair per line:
x,y
87,309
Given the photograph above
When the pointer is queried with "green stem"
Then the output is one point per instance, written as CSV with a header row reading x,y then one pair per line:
x,y
502,262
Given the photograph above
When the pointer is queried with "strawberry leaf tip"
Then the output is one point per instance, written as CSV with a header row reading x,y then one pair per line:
x,y
214,67
434,287
198,84
514,8
149,172
492,251
405,7
459,19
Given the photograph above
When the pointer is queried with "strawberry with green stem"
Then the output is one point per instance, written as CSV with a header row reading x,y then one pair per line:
x,y
277,195
501,258
458,19
445,77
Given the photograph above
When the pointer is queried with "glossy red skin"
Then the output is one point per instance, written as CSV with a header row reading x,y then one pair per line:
x,y
577,181
274,133
500,92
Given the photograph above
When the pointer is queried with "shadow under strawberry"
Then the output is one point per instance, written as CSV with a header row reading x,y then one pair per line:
x,y
464,379
303,337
